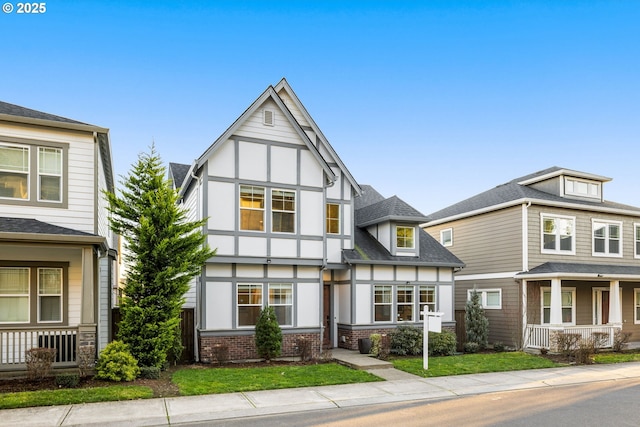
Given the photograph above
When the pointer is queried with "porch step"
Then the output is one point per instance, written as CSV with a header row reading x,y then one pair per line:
x,y
355,360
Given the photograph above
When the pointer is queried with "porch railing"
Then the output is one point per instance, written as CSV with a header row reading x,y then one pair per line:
x,y
539,336
14,344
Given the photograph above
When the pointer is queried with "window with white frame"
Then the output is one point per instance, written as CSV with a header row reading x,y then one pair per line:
x,y
32,294
636,234
249,303
427,300
568,301
251,208
333,218
446,237
404,303
382,303
405,237
607,238
14,172
281,299
14,295
283,211
49,294
490,299
636,305
49,174
582,188
558,234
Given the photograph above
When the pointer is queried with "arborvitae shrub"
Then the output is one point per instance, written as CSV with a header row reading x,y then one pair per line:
x,y
475,322
268,335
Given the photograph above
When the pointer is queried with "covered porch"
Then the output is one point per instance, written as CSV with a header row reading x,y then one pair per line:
x,y
592,301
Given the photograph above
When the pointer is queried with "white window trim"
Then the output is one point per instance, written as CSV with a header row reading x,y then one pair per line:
x,y
483,297
262,296
263,210
295,210
339,217
21,296
573,235
266,301
61,295
594,300
450,230
408,248
606,254
412,304
421,305
573,304
374,304
578,194
27,173
636,320
636,254
61,175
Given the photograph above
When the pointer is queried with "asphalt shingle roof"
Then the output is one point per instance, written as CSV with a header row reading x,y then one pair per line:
x,y
18,111
512,191
577,268
368,197
179,173
28,225
392,208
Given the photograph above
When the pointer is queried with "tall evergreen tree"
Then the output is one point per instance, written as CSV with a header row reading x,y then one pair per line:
x,y
165,251
475,322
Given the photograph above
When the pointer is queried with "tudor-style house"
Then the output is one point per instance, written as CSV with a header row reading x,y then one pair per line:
x,y
547,252
281,209
57,257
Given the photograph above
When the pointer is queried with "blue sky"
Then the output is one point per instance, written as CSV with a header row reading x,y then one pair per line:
x,y
432,101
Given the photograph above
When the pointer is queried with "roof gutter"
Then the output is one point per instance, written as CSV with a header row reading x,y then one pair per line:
x,y
54,238
52,123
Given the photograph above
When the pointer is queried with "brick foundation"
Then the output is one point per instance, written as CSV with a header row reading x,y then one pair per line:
x,y
351,336
242,347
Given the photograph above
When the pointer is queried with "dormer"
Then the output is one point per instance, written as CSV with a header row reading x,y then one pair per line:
x,y
393,223
569,184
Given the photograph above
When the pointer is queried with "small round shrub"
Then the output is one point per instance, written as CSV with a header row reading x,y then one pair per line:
x,y
376,342
150,372
471,347
498,347
67,380
442,344
406,341
116,363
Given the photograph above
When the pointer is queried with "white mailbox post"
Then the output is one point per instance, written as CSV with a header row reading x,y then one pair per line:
x,y
432,323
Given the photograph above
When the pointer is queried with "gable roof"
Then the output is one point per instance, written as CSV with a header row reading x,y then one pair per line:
x,y
269,93
515,192
368,196
178,172
28,229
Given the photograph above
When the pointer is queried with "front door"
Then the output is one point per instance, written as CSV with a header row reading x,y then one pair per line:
x,y
326,316
601,315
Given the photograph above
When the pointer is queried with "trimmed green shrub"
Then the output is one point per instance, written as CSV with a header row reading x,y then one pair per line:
x,y
406,340
498,347
268,335
150,372
471,347
376,342
67,380
116,363
442,343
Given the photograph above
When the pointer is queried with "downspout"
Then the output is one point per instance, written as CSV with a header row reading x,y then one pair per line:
x,y
199,281
525,267
329,183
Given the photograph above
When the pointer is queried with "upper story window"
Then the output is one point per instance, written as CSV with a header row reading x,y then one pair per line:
x,y
405,237
32,174
636,234
283,211
333,218
607,238
582,188
558,234
446,237
251,208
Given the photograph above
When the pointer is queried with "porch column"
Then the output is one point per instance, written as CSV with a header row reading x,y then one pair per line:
x,y
555,315
615,313
87,329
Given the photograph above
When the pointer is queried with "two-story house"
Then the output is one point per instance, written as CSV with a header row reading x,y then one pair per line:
x,y
57,262
281,209
547,252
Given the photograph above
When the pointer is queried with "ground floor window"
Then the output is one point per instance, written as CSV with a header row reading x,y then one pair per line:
x,y
250,302
14,295
636,305
402,301
568,298
490,299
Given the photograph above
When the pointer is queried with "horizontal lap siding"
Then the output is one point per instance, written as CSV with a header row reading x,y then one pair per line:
x,y
283,131
504,325
487,243
584,230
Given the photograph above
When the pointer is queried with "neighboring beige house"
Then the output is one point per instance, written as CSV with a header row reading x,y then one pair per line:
x,y
284,217
57,254
547,252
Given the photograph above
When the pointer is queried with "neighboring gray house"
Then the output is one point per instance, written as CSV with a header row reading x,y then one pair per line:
x,y
281,210
548,253
57,257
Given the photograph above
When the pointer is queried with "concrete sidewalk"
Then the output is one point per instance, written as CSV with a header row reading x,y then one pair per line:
x,y
176,410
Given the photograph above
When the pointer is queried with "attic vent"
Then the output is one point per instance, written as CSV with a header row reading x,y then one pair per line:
x,y
268,117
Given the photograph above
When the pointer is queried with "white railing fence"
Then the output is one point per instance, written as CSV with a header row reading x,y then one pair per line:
x,y
14,344
539,336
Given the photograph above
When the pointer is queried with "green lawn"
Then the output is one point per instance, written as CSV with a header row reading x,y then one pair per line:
x,y
473,364
617,357
26,399
196,381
